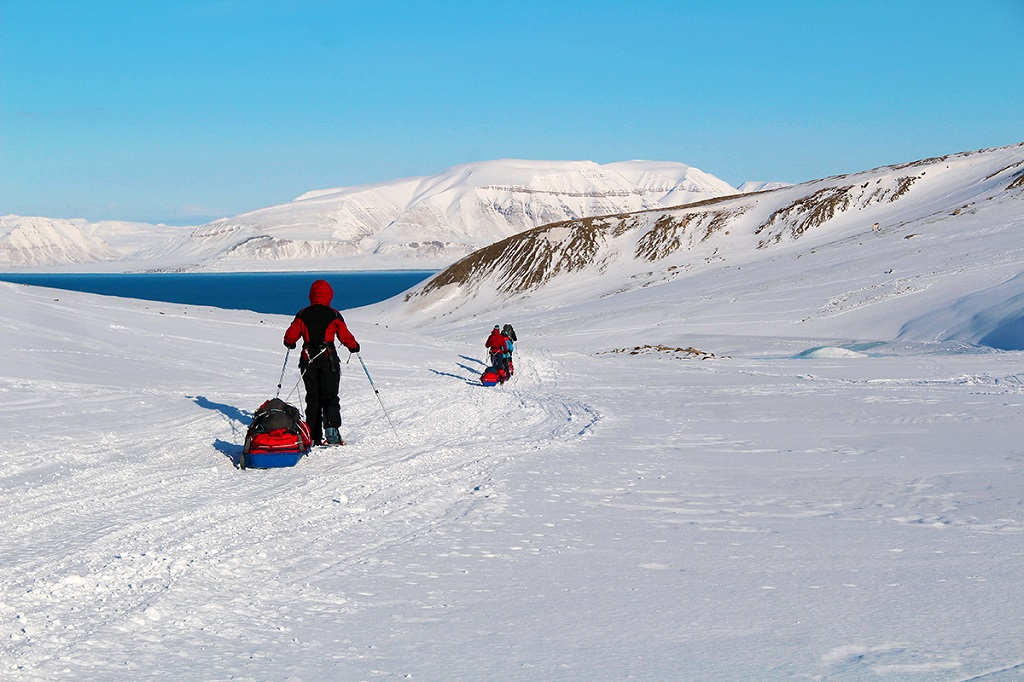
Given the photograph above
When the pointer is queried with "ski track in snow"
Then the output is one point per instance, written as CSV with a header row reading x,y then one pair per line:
x,y
106,578
124,558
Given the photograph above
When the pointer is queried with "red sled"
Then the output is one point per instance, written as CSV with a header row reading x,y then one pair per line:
x,y
277,437
492,377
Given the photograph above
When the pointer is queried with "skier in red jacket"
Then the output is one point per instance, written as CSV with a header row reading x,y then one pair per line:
x,y
496,344
318,325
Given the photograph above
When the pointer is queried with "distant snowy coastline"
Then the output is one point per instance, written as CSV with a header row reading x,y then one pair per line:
x,y
412,223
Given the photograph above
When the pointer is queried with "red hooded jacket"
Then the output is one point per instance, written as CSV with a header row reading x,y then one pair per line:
x,y
496,341
320,313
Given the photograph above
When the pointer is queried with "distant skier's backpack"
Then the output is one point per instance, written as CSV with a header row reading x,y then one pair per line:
x,y
508,331
276,428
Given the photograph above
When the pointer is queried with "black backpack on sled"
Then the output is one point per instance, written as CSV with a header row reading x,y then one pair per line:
x,y
277,436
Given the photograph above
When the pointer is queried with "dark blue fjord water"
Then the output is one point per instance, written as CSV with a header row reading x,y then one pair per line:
x,y
282,293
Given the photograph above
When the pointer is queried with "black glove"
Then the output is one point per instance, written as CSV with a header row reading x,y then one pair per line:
x,y
290,346
356,349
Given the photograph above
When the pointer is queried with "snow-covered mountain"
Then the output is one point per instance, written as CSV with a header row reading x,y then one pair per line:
x,y
27,241
758,186
30,243
880,230
422,222
432,221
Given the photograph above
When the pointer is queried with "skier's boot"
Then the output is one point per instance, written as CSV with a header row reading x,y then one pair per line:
x,y
333,437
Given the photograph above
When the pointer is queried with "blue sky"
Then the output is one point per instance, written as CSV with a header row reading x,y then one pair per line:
x,y
181,111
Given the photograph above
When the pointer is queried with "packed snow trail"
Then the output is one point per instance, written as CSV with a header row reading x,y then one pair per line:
x,y
129,519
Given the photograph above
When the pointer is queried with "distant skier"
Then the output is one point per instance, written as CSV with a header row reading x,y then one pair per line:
x,y
318,325
508,333
497,345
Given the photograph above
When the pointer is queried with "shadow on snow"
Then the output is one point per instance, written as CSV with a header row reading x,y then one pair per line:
x,y
232,451
474,372
234,416
471,381
229,411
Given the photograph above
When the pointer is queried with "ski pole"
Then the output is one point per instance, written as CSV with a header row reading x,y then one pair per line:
x,y
377,393
302,374
283,367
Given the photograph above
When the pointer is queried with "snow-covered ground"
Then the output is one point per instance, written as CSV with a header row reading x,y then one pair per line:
x,y
802,461
768,515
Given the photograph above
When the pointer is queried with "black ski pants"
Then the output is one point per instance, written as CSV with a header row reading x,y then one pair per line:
x,y
498,361
323,408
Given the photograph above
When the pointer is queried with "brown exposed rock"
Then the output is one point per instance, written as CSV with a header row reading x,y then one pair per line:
x,y
805,213
528,259
902,187
665,237
646,349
